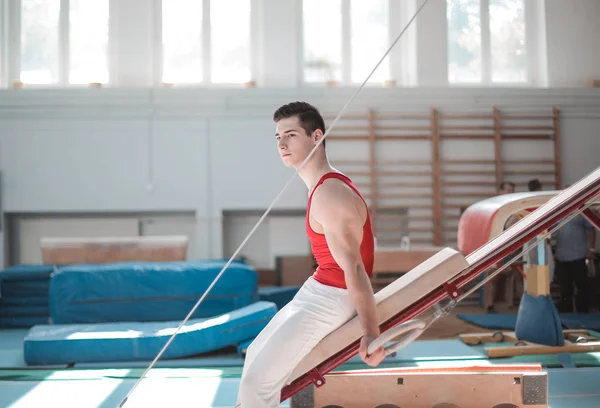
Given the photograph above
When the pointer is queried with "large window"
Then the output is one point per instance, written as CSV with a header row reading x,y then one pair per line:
x,y
204,41
486,42
40,42
64,45
88,41
182,41
344,39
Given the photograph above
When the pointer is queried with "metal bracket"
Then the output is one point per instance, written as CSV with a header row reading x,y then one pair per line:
x,y
316,377
452,290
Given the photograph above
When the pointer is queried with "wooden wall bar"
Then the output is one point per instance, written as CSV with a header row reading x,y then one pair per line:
x,y
419,170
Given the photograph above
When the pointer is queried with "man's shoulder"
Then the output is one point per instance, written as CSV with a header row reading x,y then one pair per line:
x,y
334,189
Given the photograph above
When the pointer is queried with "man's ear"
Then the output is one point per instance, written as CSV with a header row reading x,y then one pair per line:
x,y
317,135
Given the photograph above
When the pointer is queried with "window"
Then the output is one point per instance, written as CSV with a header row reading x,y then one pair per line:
x,y
230,41
203,41
64,46
343,40
182,41
40,43
370,39
507,41
322,40
486,41
88,41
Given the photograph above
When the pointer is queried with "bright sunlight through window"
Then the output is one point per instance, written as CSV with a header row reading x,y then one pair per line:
x,y
230,41
40,41
507,38
464,41
370,39
182,41
471,59
322,23
88,41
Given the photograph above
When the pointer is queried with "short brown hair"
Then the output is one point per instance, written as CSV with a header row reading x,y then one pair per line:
x,y
309,117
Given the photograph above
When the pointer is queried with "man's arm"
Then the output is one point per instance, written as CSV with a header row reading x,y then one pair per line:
x,y
333,207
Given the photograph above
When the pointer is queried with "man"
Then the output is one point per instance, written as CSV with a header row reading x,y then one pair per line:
x,y
506,187
339,229
575,244
534,185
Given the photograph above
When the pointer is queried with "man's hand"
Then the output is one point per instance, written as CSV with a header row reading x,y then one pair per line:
x,y
374,359
591,254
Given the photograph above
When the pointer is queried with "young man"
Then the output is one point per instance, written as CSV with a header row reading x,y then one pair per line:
x,y
339,229
506,187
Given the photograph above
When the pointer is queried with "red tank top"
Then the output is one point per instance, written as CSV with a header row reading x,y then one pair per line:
x,y
328,271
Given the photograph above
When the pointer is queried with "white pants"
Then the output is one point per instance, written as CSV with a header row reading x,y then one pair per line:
x,y
294,331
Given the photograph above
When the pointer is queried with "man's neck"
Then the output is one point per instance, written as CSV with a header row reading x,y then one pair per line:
x,y
314,169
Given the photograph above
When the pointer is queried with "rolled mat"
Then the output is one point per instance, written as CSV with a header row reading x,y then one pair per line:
x,y
538,321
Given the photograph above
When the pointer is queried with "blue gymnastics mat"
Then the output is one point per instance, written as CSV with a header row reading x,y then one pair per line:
x,y
280,295
148,291
506,321
24,299
26,272
131,341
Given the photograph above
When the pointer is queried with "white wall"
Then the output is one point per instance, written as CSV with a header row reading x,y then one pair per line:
x,y
206,150
572,42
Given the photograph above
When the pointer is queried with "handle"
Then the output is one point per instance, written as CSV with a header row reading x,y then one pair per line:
x,y
411,330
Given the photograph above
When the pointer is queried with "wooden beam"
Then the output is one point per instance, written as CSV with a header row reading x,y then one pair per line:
x,y
100,250
520,347
436,176
557,161
497,146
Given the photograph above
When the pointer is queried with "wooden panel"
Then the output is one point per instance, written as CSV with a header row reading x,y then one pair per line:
x,y
483,386
65,251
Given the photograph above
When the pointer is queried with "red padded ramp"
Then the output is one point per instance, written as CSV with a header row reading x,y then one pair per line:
x,y
438,278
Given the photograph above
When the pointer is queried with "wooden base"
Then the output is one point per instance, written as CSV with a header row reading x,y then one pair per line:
x,y
576,341
465,387
65,251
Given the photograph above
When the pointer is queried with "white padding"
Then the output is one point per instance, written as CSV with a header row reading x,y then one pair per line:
x,y
391,300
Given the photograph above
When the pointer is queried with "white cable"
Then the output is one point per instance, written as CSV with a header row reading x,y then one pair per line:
x,y
268,210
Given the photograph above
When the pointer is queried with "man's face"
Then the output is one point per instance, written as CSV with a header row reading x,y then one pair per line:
x,y
508,189
293,144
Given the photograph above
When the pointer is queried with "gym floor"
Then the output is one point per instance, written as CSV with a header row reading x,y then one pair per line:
x,y
212,380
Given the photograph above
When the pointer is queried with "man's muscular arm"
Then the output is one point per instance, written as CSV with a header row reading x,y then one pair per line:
x,y
333,207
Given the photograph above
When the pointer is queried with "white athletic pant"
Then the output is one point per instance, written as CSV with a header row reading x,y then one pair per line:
x,y
313,313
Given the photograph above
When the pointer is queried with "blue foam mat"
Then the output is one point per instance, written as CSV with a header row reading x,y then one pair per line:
x,y
131,341
148,291
280,295
507,321
26,272
22,321
24,301
24,311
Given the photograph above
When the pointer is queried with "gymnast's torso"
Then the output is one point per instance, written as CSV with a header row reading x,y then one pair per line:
x,y
328,272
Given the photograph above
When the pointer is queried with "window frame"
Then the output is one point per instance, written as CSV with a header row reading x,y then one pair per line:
x,y
395,71
206,49
486,51
12,44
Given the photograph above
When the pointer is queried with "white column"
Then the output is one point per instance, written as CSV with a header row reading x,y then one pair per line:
x,y
279,42
132,42
432,44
